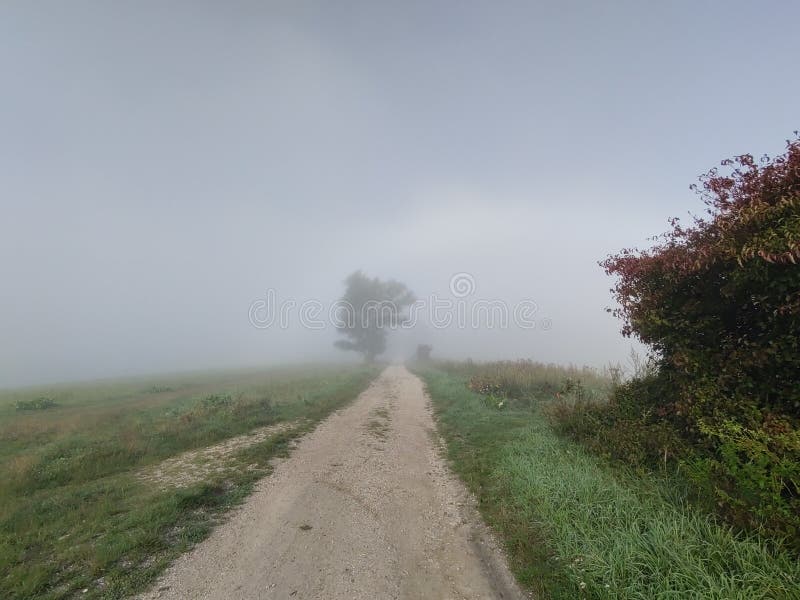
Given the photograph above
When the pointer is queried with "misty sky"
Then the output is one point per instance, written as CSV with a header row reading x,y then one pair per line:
x,y
163,164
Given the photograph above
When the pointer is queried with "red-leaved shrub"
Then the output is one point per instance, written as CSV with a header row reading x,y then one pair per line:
x,y
718,301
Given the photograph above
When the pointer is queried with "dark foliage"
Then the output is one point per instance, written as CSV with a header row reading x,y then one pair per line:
x,y
719,303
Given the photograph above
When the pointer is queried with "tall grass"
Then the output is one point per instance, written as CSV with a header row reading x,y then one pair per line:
x,y
73,516
577,527
526,382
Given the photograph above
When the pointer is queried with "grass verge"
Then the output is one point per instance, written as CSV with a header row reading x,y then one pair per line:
x,y
577,527
76,521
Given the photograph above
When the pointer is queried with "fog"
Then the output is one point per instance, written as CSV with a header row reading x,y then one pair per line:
x,y
163,165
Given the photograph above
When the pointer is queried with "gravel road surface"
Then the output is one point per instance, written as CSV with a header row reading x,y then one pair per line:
x,y
364,508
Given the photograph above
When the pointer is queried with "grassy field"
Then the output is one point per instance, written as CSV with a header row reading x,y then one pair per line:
x,y
77,517
575,525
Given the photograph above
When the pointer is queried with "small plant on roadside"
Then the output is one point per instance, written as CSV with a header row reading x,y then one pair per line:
x,y
484,385
495,402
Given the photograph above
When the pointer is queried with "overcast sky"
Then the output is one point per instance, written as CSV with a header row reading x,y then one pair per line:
x,y
164,164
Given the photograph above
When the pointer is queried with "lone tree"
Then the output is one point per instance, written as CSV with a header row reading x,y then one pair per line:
x,y
369,309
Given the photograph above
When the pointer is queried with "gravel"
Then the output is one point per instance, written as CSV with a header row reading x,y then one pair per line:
x,y
358,511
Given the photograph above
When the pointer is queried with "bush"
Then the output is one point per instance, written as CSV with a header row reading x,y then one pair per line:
x,y
159,389
216,401
754,474
719,304
629,427
719,301
259,406
41,403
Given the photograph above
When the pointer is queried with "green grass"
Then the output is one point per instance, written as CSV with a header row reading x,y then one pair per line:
x,y
576,526
73,513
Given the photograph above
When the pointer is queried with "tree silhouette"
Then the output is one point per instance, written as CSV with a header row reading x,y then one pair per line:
x,y
368,310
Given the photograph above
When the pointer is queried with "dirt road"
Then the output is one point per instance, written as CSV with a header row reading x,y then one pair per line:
x,y
365,507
